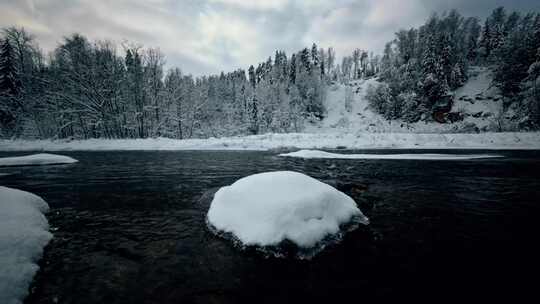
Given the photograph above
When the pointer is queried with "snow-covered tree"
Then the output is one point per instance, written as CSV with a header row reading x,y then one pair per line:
x,y
9,89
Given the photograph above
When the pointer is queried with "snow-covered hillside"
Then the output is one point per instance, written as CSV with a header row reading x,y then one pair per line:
x,y
478,104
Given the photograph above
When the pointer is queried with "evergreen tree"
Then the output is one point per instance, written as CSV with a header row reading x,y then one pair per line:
x,y
305,60
315,56
9,90
485,41
472,34
434,84
252,78
497,33
135,93
322,58
292,69
355,60
9,80
531,88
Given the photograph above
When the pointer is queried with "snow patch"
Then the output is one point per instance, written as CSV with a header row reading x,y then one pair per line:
x,y
419,156
36,160
23,234
268,208
350,139
478,103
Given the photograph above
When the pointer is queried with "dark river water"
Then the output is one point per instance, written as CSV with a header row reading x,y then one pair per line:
x,y
130,228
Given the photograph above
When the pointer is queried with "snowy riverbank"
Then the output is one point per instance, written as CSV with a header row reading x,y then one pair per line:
x,y
364,140
24,231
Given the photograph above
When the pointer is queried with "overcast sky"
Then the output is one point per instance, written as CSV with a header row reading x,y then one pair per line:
x,y
208,36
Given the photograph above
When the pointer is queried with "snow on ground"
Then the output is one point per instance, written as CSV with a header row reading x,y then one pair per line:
x,y
478,101
36,160
325,140
347,108
419,156
478,94
23,234
349,123
267,208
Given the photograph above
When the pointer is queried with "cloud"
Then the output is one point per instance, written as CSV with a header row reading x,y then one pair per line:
x,y
208,36
257,5
383,13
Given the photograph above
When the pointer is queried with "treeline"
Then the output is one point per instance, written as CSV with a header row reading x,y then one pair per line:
x,y
422,66
88,90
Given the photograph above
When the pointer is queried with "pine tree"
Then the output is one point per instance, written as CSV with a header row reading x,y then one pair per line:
x,y
251,76
497,33
315,56
292,69
253,116
305,60
434,83
322,57
9,81
9,90
532,89
135,79
330,61
356,60
472,34
485,41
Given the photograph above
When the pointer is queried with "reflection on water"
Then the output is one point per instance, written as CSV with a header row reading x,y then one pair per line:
x,y
131,230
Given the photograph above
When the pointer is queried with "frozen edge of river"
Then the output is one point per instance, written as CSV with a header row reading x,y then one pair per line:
x,y
492,141
24,232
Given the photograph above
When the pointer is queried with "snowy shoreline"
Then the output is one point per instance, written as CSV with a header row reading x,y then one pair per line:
x,y
24,232
363,140
309,154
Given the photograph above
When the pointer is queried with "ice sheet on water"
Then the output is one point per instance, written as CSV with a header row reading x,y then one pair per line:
x,y
36,160
415,156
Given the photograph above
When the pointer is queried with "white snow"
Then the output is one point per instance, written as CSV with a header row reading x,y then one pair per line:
x,y
419,156
325,140
480,84
36,159
349,123
23,234
478,100
347,109
267,208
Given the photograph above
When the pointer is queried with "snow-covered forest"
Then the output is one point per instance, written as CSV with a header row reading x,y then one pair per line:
x,y
86,89
422,67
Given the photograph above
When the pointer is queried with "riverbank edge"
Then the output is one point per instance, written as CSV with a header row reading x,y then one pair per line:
x,y
276,141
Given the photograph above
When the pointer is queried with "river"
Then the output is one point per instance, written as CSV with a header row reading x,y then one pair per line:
x,y
130,227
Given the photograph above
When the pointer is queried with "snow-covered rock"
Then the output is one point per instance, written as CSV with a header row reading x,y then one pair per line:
x,y
23,234
267,208
36,160
418,156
